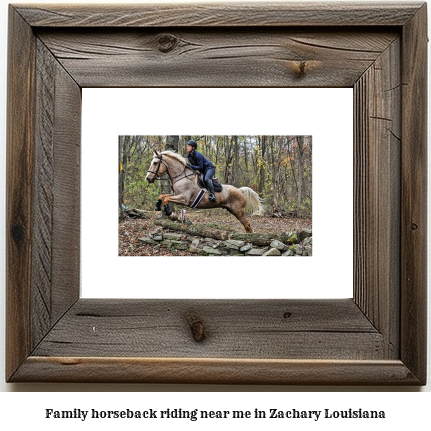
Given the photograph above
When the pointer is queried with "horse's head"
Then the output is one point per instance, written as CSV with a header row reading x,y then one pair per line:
x,y
157,167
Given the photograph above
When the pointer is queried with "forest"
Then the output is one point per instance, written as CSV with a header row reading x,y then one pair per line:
x,y
278,168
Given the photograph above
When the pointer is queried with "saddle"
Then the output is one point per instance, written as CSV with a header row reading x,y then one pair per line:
x,y
201,183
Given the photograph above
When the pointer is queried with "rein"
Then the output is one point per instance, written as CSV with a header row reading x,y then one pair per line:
x,y
158,167
171,178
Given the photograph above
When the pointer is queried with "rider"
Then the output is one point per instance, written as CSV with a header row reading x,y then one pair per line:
x,y
199,163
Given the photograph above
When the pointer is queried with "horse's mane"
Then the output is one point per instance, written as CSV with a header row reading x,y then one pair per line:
x,y
176,156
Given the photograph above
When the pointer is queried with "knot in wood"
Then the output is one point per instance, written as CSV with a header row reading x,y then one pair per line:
x,y
300,69
167,42
197,328
18,233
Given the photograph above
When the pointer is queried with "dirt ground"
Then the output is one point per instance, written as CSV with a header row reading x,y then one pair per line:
x,y
130,230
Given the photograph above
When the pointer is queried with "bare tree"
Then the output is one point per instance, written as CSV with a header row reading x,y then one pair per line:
x,y
172,142
261,162
124,147
300,141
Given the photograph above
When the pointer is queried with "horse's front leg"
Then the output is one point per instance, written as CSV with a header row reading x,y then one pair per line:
x,y
177,199
164,196
158,206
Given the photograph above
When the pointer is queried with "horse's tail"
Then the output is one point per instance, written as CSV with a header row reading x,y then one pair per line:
x,y
252,201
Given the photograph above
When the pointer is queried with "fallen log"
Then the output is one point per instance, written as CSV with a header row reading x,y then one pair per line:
x,y
260,239
136,213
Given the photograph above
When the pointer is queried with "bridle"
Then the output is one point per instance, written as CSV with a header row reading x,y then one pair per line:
x,y
156,174
171,178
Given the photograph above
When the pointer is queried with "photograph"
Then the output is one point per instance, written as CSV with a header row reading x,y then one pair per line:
x,y
223,195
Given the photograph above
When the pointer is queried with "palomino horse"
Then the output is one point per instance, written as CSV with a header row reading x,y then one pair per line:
x,y
185,189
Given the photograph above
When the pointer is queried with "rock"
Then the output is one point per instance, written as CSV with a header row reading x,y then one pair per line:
x,y
156,237
196,242
247,247
147,240
179,245
272,252
255,252
174,236
213,251
196,250
297,249
288,253
308,241
305,233
278,245
308,250
235,244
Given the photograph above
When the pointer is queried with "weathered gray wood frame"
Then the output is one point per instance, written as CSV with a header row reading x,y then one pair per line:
x,y
378,337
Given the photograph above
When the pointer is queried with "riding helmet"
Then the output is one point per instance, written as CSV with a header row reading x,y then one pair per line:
x,y
192,143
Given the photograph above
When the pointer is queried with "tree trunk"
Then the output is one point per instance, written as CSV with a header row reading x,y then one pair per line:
x,y
235,170
123,156
300,140
172,142
120,180
184,140
228,160
261,161
245,154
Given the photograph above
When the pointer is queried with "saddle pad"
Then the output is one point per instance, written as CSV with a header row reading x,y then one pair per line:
x,y
198,198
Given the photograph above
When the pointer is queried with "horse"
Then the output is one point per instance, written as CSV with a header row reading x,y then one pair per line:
x,y
186,191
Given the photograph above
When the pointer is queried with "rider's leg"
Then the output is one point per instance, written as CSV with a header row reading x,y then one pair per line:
x,y
208,179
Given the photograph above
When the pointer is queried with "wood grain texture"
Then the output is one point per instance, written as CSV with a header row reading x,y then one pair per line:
x,y
66,190
268,329
215,371
414,195
228,58
43,194
54,336
55,279
377,182
19,197
220,15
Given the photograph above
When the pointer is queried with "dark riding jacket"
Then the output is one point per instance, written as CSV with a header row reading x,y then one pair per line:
x,y
199,162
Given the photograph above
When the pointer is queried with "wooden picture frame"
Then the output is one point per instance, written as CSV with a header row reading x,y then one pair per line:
x,y
376,338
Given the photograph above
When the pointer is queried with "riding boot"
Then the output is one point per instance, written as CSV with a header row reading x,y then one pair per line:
x,y
158,205
211,196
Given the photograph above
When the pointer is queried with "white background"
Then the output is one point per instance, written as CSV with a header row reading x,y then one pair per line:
x,y
326,114
23,408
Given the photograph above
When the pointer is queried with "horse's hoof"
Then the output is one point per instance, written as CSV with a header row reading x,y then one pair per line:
x,y
158,205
